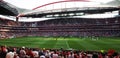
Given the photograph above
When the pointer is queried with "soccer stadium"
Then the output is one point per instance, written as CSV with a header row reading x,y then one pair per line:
x,y
60,29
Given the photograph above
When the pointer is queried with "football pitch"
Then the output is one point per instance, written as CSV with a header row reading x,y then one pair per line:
x,y
81,43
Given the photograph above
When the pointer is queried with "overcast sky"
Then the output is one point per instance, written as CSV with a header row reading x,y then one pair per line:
x,y
30,4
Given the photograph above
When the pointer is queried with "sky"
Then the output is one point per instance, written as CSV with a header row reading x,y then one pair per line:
x,y
30,4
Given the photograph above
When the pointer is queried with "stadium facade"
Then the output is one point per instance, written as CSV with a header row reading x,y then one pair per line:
x,y
63,22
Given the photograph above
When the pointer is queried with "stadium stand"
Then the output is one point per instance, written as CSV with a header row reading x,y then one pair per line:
x,y
24,52
64,27
61,26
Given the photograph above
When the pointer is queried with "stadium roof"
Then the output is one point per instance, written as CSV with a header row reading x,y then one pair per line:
x,y
13,10
9,9
27,4
63,5
114,3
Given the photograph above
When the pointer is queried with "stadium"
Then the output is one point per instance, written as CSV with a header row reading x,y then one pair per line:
x,y
72,30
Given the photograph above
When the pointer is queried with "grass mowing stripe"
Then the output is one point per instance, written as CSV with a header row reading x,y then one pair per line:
x,y
104,43
110,44
75,45
84,44
62,43
48,44
67,44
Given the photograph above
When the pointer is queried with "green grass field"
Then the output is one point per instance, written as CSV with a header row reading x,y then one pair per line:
x,y
102,43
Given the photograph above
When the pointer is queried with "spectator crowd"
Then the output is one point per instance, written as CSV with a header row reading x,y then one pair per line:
x,y
23,52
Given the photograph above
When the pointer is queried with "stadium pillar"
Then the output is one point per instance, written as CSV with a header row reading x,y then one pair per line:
x,y
119,12
17,19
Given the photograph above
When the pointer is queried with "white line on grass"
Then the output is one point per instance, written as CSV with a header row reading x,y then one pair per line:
x,y
67,44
